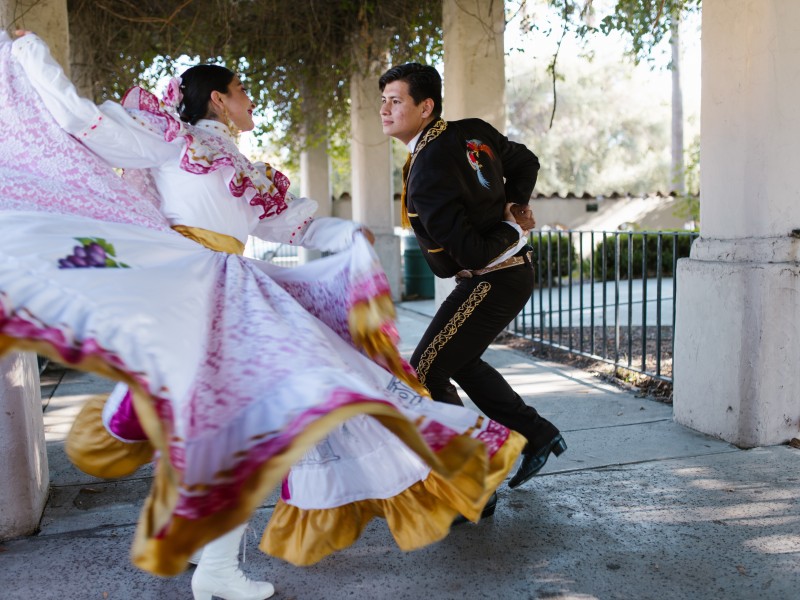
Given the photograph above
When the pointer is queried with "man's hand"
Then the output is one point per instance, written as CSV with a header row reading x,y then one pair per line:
x,y
522,215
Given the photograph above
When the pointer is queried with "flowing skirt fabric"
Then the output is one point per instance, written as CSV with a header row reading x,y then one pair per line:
x,y
243,376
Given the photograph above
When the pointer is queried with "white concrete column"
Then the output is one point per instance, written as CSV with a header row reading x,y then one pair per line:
x,y
46,18
24,476
738,307
315,183
474,61
474,71
371,165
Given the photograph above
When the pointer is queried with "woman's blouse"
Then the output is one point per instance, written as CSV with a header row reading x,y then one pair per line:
x,y
195,172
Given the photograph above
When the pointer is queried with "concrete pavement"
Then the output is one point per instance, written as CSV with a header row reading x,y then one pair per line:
x,y
637,508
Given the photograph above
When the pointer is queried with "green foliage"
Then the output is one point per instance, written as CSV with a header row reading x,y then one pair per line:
x,y
296,58
599,124
688,205
644,248
646,22
551,254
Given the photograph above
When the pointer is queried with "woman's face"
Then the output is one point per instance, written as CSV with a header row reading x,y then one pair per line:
x,y
239,106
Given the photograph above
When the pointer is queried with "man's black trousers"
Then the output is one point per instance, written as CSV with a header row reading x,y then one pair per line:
x,y
477,310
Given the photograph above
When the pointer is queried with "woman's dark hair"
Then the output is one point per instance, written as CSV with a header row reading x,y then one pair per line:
x,y
423,82
197,83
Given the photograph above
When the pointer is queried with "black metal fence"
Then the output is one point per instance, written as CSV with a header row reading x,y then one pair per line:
x,y
284,255
608,295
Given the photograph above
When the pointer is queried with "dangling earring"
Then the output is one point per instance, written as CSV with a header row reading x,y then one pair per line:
x,y
235,131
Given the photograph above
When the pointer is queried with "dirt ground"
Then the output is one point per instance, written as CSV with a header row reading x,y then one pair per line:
x,y
644,385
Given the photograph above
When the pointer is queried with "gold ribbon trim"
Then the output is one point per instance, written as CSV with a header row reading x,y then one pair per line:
x,y
219,242
448,331
435,131
163,542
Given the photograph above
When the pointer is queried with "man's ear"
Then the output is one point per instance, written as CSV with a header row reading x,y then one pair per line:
x,y
427,107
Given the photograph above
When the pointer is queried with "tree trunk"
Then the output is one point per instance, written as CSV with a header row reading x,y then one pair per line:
x,y
677,171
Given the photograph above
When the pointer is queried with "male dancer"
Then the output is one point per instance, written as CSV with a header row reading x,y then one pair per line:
x,y
465,194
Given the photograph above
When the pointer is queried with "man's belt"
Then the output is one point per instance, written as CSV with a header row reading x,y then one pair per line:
x,y
509,262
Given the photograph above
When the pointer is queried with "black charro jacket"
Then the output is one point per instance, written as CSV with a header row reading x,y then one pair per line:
x,y
460,178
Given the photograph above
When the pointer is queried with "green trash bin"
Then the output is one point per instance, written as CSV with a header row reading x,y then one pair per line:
x,y
418,276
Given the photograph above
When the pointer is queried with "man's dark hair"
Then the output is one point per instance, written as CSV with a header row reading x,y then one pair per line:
x,y
423,82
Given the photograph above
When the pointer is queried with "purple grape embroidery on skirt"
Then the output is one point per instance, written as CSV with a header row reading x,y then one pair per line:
x,y
93,252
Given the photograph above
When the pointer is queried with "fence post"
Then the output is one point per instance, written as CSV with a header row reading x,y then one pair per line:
x,y
550,273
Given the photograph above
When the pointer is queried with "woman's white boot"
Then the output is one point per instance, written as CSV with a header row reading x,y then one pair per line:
x,y
218,572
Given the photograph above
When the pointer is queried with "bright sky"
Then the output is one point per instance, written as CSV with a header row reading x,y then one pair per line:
x,y
540,48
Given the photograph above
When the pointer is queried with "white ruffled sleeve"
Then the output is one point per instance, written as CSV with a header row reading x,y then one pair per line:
x,y
329,234
296,226
288,226
108,130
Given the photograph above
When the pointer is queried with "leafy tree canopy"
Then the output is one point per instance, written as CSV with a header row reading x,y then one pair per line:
x,y
296,58
645,22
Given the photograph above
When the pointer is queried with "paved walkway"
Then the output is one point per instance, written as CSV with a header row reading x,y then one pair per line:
x,y
638,508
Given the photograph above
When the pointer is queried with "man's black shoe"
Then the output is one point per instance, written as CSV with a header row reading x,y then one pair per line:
x,y
532,463
487,511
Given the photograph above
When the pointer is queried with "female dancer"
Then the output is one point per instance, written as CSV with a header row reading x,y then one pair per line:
x,y
242,375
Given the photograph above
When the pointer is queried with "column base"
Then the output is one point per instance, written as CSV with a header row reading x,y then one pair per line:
x,y
387,247
24,475
737,343
306,255
443,288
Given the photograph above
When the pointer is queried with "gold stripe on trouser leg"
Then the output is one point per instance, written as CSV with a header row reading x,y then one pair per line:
x,y
449,330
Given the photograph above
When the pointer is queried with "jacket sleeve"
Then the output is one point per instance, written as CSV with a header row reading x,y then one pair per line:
x,y
520,168
107,130
437,195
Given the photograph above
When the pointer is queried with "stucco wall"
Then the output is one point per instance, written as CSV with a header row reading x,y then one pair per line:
x,y
646,214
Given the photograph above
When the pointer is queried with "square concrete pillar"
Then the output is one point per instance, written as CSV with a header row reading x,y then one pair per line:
x,y
24,476
736,349
47,18
737,335
370,159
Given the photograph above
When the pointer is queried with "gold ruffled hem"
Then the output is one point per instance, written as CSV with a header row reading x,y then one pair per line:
x,y
163,548
420,515
164,542
95,451
365,323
